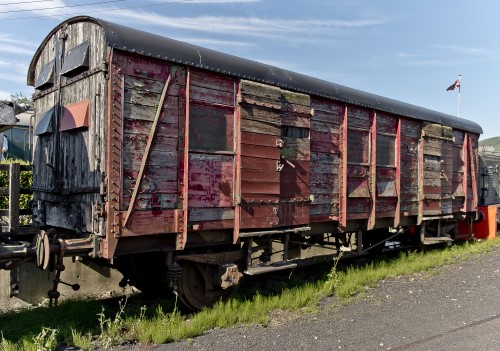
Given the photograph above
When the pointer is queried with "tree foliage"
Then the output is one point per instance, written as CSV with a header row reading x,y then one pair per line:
x,y
22,103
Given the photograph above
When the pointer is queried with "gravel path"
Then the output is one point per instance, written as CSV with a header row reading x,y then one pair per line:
x,y
456,309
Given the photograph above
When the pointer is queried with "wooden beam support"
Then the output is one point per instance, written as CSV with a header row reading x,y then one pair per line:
x,y
237,164
343,171
397,214
465,156
372,177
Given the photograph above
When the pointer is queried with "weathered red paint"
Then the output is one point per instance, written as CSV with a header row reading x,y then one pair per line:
x,y
261,179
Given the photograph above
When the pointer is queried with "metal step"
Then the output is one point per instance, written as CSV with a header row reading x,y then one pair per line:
x,y
436,240
268,268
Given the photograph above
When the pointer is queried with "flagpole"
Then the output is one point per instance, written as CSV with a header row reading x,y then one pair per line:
x,y
458,114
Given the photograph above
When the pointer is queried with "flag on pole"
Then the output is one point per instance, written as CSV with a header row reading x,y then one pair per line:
x,y
454,85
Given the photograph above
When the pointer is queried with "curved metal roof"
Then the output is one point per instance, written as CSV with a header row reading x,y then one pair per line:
x,y
152,45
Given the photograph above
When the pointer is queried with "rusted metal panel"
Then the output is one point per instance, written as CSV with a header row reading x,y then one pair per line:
x,y
75,116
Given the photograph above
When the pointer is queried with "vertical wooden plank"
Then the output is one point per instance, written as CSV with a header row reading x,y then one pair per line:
x,y
343,171
113,156
465,153
184,173
397,214
420,150
473,167
373,169
14,190
237,165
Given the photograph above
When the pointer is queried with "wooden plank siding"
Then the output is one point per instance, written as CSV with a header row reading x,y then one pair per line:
x,y
212,171
295,158
387,192
275,156
409,153
359,194
260,154
157,194
324,178
438,167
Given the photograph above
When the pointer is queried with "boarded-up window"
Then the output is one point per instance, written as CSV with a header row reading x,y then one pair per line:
x,y
386,150
357,146
211,128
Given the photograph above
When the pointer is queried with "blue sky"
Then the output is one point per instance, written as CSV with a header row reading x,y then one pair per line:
x,y
406,50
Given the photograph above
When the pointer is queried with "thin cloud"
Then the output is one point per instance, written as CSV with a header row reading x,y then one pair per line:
x,y
247,26
13,71
479,54
463,50
46,8
218,1
5,95
405,55
15,45
216,42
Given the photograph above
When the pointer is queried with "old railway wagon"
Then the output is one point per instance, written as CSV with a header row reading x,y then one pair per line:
x,y
177,163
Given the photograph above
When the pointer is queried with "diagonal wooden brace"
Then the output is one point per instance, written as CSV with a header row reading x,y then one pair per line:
x,y
146,152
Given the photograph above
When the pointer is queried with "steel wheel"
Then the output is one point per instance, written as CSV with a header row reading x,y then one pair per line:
x,y
192,287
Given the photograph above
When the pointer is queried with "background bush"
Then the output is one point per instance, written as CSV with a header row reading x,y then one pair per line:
x,y
26,181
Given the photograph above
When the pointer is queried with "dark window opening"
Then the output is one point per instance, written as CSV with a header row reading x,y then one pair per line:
x,y
294,132
211,128
386,150
358,146
76,61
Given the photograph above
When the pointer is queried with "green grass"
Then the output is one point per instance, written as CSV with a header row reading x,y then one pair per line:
x,y
110,322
